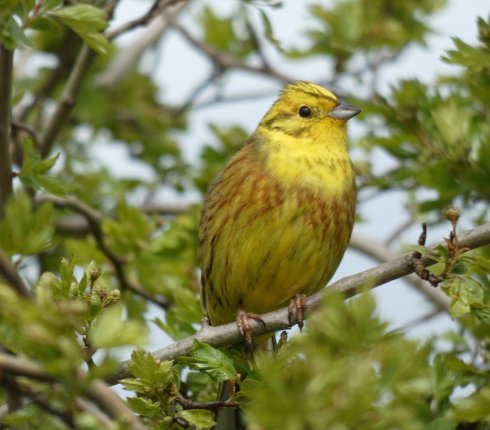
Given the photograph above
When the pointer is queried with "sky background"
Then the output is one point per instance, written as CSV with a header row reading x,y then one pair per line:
x,y
178,69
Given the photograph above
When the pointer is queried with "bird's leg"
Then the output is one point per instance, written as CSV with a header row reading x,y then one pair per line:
x,y
243,322
297,308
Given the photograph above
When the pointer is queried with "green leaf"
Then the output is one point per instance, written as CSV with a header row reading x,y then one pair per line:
x,y
145,407
34,172
211,361
25,230
465,293
109,330
146,368
88,22
197,418
18,34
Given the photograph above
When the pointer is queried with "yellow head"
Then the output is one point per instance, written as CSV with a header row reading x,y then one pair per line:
x,y
306,110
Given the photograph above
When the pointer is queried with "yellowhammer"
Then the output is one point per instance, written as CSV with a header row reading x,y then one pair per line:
x,y
277,220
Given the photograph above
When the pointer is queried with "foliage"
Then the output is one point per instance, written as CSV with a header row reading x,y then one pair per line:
x,y
108,264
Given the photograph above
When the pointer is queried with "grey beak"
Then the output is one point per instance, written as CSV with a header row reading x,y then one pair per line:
x,y
344,111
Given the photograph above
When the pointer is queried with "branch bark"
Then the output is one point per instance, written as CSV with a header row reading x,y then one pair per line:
x,y
382,253
6,67
229,334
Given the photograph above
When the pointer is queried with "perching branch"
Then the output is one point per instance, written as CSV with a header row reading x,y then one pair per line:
x,y
6,65
383,253
229,334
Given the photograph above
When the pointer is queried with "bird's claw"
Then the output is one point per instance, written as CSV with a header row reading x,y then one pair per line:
x,y
296,310
243,322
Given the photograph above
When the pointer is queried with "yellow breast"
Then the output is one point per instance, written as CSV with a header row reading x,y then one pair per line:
x,y
279,231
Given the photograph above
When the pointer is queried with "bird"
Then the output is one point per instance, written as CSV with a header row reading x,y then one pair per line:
x,y
277,220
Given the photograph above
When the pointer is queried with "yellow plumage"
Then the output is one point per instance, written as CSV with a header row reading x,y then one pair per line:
x,y
277,220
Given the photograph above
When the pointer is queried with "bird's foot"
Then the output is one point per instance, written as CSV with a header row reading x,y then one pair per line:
x,y
243,322
296,310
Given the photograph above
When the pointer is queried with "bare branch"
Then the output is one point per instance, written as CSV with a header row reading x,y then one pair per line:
x,y
128,57
66,56
78,226
381,252
67,101
6,67
158,7
224,61
399,231
229,334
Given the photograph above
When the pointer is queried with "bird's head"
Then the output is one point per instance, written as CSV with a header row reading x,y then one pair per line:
x,y
306,110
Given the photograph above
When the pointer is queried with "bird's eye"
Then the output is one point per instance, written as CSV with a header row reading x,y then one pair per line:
x,y
304,112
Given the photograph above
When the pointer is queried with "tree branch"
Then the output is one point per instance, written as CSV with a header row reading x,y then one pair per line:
x,y
94,219
229,334
224,61
210,406
6,67
383,253
67,101
97,390
156,9
128,57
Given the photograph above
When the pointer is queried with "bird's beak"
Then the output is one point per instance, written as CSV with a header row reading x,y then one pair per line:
x,y
344,111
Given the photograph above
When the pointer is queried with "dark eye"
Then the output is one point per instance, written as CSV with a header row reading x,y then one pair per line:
x,y
304,112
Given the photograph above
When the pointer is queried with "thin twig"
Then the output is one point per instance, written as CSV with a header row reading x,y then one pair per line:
x,y
224,60
127,58
399,231
94,219
198,90
156,9
67,101
17,125
66,53
6,67
423,319
78,226
12,276
229,334
210,406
